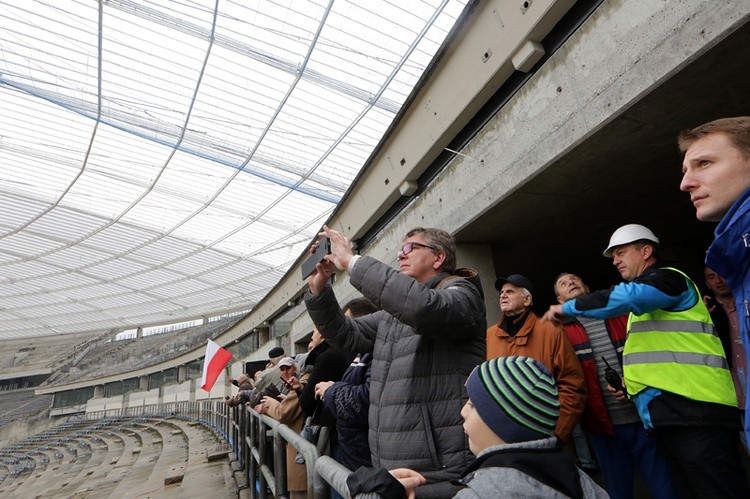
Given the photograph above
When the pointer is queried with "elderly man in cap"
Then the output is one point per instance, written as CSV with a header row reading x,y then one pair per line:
x,y
289,412
270,375
520,332
673,363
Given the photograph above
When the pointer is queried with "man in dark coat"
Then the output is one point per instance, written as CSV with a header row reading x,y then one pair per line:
x,y
425,341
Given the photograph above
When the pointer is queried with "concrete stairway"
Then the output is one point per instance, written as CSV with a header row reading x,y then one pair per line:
x,y
118,458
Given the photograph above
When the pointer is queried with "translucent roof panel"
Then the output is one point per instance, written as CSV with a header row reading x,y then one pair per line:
x,y
166,160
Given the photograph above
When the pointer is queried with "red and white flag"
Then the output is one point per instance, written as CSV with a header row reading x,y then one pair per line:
x,y
216,359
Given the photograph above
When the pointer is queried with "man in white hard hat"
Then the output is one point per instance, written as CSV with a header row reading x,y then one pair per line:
x,y
716,174
673,364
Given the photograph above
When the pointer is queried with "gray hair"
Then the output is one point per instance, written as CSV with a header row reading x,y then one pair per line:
x,y
441,241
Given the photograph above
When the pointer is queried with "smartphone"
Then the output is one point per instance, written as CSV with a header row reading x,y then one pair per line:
x,y
323,249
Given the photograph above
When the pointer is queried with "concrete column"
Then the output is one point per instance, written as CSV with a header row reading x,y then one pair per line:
x,y
143,385
479,258
139,332
181,373
99,391
263,335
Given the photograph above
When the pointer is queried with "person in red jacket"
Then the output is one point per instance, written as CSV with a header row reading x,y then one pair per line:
x,y
620,442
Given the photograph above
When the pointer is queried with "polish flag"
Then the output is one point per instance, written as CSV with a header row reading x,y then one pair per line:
x,y
216,359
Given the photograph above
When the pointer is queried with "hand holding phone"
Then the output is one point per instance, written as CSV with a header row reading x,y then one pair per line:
x,y
321,250
292,382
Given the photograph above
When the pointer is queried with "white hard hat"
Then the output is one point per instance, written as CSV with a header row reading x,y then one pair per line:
x,y
629,234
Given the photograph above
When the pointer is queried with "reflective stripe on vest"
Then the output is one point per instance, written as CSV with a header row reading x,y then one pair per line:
x,y
678,352
699,359
672,326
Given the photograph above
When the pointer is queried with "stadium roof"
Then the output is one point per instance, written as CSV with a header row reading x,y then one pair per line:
x,y
167,160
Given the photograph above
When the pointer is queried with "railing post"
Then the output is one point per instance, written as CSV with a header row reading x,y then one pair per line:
x,y
279,461
262,458
251,470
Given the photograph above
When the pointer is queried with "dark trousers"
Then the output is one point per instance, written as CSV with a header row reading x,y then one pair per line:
x,y
628,450
705,461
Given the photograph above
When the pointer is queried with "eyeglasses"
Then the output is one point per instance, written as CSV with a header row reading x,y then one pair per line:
x,y
409,247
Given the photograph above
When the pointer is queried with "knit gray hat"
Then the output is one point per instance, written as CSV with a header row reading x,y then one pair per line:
x,y
516,397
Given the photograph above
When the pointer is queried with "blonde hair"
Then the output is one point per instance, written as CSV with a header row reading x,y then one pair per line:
x,y
736,129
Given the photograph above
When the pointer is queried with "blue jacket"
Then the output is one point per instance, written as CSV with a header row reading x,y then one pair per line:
x,y
655,288
349,402
729,256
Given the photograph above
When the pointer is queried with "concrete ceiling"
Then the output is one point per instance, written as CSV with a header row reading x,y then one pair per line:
x,y
627,172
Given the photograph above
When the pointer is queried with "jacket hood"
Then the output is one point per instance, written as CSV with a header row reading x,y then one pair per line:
x,y
472,276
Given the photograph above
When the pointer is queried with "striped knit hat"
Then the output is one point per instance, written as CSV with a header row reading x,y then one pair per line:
x,y
516,397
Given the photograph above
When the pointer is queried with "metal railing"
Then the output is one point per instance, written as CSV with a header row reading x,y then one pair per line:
x,y
260,445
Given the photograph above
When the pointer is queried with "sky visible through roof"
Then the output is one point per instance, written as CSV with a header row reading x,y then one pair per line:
x,y
166,160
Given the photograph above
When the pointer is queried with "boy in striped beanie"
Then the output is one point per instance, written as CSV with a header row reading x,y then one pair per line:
x,y
510,420
515,398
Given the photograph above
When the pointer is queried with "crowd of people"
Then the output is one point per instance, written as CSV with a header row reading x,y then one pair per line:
x,y
650,373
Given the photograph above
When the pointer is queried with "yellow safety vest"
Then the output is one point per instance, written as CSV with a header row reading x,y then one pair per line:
x,y
678,352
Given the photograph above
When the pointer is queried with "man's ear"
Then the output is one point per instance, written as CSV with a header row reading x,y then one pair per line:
x,y
528,300
439,260
560,300
647,251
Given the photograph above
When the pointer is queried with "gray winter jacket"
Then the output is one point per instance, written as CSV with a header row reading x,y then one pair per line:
x,y
425,343
495,474
540,469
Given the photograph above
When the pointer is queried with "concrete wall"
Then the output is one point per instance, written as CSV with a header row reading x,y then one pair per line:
x,y
17,431
181,392
148,397
97,404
